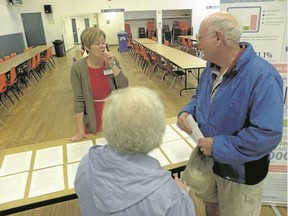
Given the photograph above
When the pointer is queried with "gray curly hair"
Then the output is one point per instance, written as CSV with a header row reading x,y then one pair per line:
x,y
134,120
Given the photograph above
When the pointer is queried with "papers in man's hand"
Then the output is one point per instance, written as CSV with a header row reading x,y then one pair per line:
x,y
196,133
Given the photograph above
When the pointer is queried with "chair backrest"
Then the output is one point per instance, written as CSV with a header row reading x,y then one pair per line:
x,y
2,82
150,25
27,49
29,65
176,33
183,48
166,42
189,43
38,59
168,65
192,51
154,38
13,76
143,53
167,36
6,57
151,58
49,52
159,61
165,28
13,54
183,42
137,49
127,28
183,24
33,62
129,43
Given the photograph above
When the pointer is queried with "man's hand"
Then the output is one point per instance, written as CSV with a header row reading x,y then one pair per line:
x,y
183,124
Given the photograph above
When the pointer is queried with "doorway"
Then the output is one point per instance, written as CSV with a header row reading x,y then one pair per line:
x,y
33,28
74,30
78,25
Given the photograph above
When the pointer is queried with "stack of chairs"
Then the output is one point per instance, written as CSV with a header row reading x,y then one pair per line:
x,y
190,31
166,33
175,32
128,30
183,27
150,29
141,32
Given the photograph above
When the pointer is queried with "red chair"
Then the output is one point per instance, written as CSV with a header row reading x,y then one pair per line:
x,y
160,65
154,38
25,73
166,42
172,73
129,45
3,89
12,83
39,63
152,60
34,66
13,54
6,57
46,59
137,52
49,56
144,58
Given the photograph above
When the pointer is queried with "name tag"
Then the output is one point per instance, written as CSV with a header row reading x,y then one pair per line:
x,y
108,71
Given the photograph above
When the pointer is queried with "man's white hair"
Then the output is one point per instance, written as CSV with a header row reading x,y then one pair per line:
x,y
228,24
134,120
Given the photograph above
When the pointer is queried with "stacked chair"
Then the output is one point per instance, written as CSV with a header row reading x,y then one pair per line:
x,y
3,90
190,31
141,32
183,27
128,30
150,29
170,72
166,33
176,31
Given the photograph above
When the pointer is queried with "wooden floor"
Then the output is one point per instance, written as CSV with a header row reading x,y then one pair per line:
x,y
45,113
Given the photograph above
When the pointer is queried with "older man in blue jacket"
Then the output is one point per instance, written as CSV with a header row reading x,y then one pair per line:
x,y
238,107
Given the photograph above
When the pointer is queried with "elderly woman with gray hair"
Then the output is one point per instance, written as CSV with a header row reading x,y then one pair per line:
x,y
120,178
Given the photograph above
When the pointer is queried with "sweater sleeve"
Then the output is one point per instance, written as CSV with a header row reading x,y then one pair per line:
x,y
121,80
79,102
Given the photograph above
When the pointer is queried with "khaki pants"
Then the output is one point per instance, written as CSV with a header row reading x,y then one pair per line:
x,y
234,199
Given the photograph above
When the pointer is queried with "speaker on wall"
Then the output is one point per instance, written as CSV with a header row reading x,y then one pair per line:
x,y
48,8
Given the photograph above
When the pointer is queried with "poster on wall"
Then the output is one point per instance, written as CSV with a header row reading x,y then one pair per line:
x,y
265,27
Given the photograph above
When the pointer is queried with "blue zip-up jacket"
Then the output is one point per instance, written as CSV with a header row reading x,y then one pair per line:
x,y
109,182
245,117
